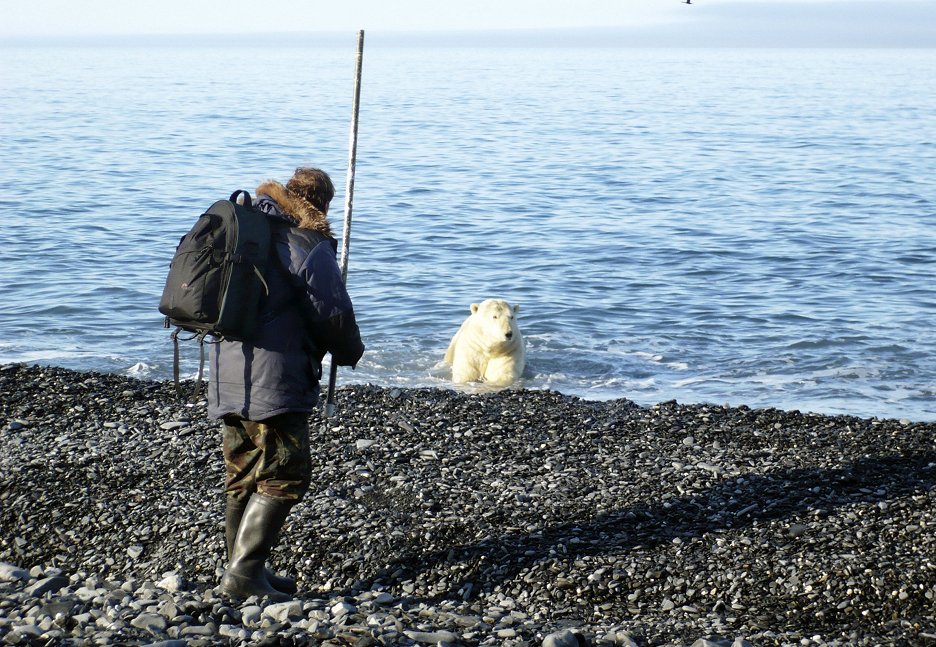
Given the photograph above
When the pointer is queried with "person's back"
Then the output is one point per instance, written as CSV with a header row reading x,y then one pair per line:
x,y
264,390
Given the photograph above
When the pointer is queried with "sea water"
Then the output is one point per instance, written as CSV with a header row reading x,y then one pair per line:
x,y
736,226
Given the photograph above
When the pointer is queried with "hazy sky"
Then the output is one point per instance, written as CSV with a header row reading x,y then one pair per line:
x,y
638,22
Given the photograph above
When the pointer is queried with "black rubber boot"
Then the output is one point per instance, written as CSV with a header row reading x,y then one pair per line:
x,y
257,534
233,514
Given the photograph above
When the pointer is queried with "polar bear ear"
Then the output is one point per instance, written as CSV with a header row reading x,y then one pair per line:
x,y
516,308
474,308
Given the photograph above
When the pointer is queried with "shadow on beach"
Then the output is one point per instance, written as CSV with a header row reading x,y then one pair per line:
x,y
734,504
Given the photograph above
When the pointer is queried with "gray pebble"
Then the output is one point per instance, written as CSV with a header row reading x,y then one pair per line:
x,y
152,622
171,583
798,530
431,637
564,638
283,611
10,573
46,585
250,615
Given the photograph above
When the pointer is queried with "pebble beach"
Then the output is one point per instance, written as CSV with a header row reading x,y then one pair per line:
x,y
440,517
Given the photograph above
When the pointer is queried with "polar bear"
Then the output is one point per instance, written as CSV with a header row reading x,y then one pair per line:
x,y
488,346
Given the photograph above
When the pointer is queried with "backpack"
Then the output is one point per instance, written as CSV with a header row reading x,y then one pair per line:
x,y
215,279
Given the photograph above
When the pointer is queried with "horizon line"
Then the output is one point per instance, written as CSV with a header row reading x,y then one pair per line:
x,y
577,37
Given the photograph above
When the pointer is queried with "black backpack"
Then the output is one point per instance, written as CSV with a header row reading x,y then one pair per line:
x,y
216,277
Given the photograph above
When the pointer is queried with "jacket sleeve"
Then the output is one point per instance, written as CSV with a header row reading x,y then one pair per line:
x,y
327,308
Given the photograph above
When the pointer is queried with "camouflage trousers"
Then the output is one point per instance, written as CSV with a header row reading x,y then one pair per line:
x,y
270,456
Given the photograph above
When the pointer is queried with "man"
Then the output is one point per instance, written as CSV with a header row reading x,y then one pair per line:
x,y
263,391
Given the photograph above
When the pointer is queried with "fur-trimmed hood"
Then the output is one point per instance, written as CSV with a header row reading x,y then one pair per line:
x,y
297,207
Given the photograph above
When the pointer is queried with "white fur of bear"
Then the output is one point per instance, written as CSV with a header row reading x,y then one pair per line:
x,y
488,346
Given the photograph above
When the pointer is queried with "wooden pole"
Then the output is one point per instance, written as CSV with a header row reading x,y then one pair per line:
x,y
349,199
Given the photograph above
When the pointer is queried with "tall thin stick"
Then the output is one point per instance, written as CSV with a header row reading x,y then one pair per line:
x,y
349,199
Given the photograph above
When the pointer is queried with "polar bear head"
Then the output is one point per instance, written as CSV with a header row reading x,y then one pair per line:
x,y
495,321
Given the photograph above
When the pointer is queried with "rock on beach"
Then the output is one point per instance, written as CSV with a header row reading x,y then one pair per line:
x,y
437,517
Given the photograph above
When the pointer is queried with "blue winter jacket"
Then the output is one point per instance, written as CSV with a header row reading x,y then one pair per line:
x,y
307,313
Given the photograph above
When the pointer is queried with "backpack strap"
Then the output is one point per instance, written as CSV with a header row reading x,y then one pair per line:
x,y
201,364
246,201
175,360
200,336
